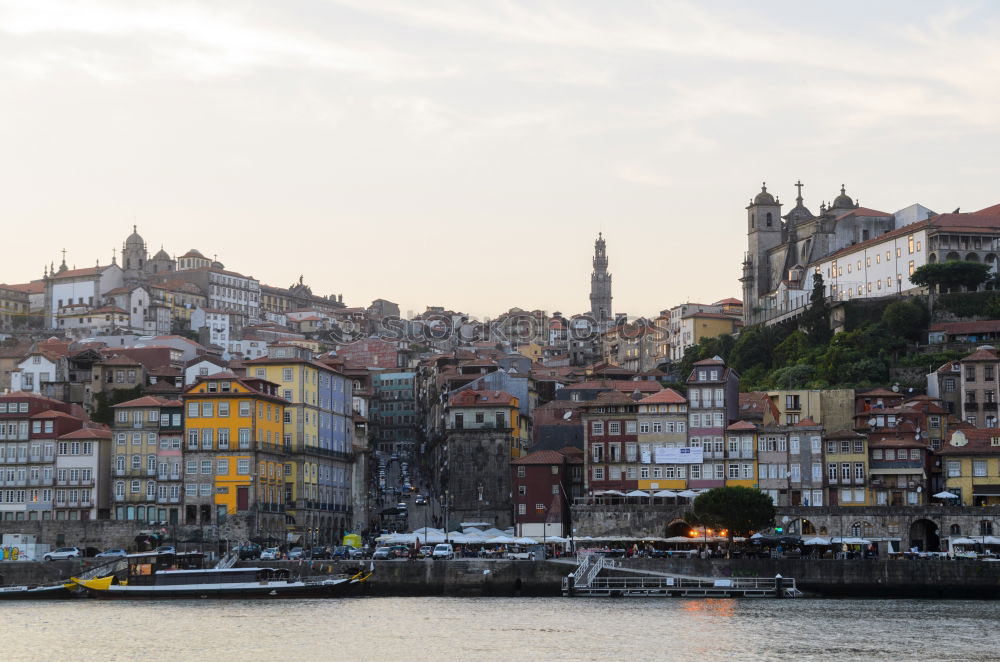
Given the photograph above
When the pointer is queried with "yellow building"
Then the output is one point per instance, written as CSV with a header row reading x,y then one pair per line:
x,y
234,460
662,420
318,433
741,455
971,464
847,469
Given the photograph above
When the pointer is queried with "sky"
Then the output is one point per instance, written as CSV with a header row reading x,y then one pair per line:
x,y
467,154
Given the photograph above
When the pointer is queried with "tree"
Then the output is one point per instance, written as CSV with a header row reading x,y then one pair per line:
x,y
738,510
906,319
105,400
816,319
955,273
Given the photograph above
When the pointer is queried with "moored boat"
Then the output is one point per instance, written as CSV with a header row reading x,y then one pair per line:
x,y
182,576
59,591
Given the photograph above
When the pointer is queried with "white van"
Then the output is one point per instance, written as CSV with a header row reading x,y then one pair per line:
x,y
443,551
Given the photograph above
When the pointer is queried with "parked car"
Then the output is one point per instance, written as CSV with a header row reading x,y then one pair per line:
x,y
443,551
114,553
248,551
425,551
63,553
295,553
356,552
399,551
341,552
166,549
319,552
420,500
270,554
382,553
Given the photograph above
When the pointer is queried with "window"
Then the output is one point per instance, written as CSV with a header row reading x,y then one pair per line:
x,y
954,468
979,468
597,427
598,473
192,410
192,440
286,374
244,408
244,438
597,452
793,445
522,509
221,467
614,428
629,427
223,409
223,438
135,487
206,467
520,472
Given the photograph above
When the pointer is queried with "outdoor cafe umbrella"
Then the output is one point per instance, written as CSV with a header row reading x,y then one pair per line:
x,y
637,493
665,493
610,493
945,495
688,494
816,541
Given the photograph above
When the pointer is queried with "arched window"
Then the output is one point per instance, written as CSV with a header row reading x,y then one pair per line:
x,y
752,220
856,530
955,530
768,219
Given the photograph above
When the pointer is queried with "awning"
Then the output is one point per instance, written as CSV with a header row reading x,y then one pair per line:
x,y
915,471
986,490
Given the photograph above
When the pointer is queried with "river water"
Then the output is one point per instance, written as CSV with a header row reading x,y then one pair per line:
x,y
448,629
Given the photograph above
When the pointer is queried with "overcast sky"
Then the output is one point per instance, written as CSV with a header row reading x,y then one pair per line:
x,y
466,154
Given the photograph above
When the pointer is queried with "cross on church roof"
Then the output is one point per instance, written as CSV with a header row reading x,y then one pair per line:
x,y
799,186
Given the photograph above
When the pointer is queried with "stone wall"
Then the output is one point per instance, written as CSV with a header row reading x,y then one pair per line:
x,y
917,525
103,534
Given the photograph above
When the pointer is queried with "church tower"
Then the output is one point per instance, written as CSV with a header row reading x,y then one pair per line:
x,y
764,232
600,284
134,258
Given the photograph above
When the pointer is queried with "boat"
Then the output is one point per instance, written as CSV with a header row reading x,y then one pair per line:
x,y
59,591
170,575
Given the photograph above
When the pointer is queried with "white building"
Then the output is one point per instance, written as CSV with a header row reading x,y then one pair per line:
x,y
79,320
36,368
219,325
249,348
79,286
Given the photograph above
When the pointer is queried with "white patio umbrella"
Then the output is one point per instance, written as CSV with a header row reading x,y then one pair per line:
x,y
688,494
609,493
665,493
945,495
637,493
500,540
525,541
816,541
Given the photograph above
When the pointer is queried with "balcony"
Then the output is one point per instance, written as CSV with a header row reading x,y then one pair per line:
x,y
175,499
989,406
60,504
74,481
33,482
35,458
971,405
19,482
175,476
161,476
74,504
87,481
48,458
86,504
62,481
161,499
119,497
150,472
118,472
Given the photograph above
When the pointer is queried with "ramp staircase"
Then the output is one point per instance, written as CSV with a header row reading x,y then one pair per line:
x,y
587,581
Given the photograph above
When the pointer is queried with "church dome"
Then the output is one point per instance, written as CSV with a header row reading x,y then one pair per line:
x,y
843,201
134,240
763,198
161,255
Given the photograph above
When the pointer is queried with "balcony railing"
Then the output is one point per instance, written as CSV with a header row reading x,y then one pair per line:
x,y
60,504
35,458
86,503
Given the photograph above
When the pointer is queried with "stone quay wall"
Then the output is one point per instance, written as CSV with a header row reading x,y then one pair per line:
x,y
909,524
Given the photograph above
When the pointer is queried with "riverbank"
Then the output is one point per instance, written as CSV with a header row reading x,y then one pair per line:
x,y
479,578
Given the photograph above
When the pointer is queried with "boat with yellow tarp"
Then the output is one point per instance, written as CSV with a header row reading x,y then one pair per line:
x,y
168,575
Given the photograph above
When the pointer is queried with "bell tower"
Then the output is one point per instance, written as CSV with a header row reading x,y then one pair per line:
x,y
765,230
600,284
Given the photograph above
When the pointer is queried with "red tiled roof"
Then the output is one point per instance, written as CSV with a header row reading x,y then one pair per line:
x,y
74,273
149,401
541,457
621,385
52,413
88,433
863,211
982,354
34,287
979,442
978,326
663,397
742,425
